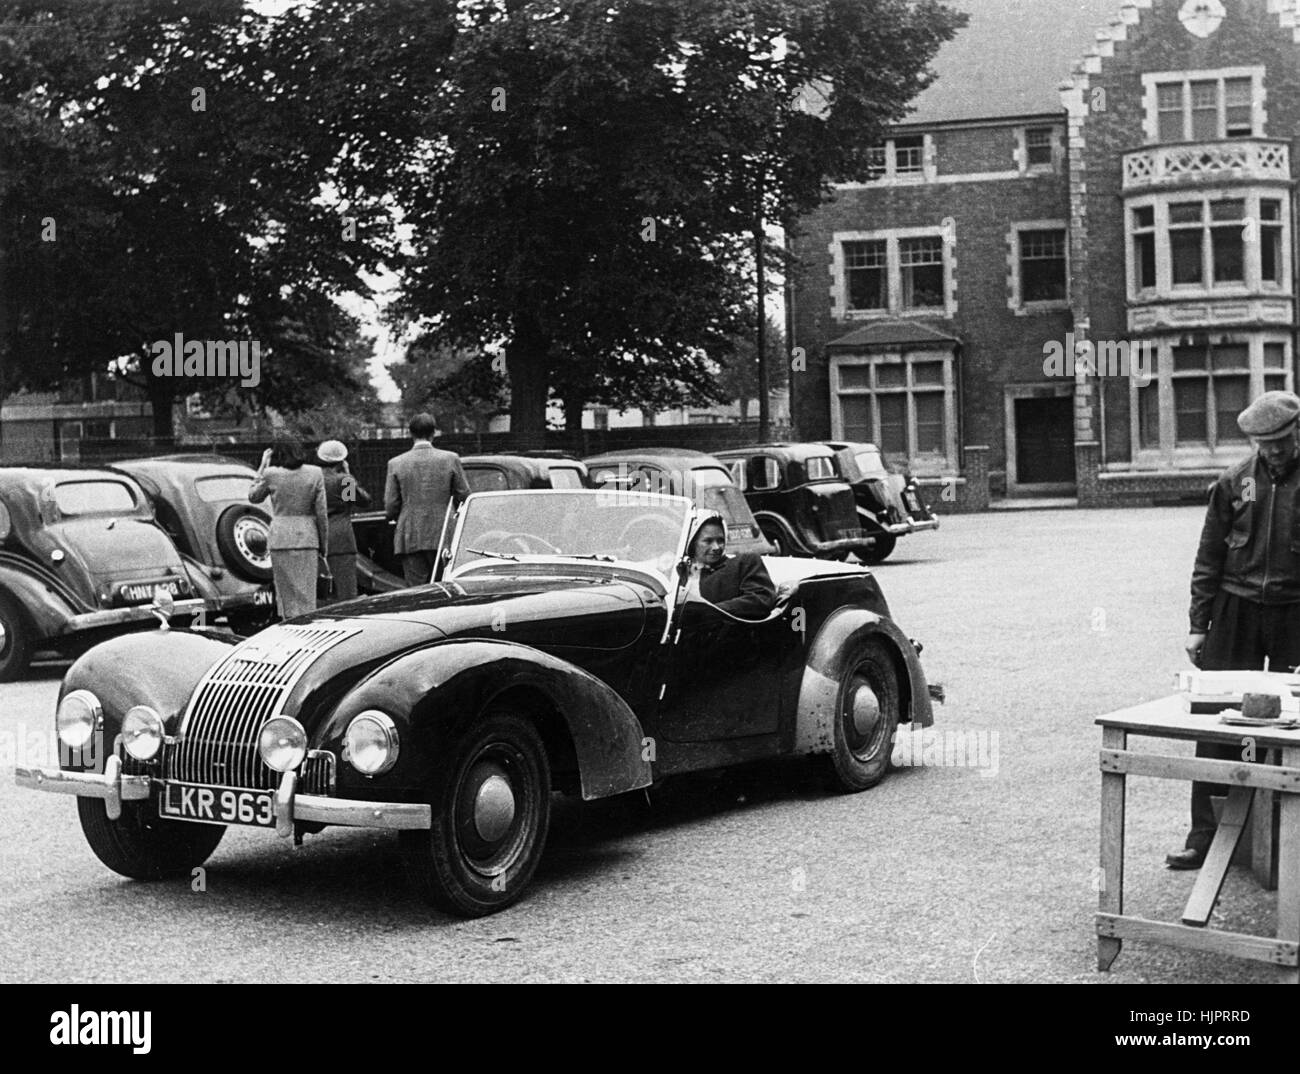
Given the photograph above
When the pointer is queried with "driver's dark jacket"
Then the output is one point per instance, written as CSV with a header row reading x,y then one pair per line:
x,y
1250,543
739,585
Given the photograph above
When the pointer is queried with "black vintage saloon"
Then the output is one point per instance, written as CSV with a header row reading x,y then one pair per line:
x,y
556,652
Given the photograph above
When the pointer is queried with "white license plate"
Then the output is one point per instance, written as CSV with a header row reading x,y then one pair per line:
x,y
217,805
142,591
264,598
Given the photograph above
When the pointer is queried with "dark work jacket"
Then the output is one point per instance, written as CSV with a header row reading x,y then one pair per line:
x,y
1250,543
739,585
339,510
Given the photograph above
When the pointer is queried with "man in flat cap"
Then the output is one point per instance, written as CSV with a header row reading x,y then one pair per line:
x,y
1246,582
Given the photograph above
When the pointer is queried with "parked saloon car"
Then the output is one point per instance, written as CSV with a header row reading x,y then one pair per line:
x,y
800,503
889,504
378,569
555,653
202,503
80,558
682,472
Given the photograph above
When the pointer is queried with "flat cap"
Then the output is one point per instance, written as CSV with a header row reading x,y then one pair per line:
x,y
333,451
1272,415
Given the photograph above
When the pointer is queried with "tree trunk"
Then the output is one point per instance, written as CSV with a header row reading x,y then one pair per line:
x,y
574,405
527,369
161,397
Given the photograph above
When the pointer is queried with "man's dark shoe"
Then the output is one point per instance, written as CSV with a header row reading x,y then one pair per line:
x,y
1190,858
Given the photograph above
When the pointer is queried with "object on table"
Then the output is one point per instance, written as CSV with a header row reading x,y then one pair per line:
x,y
1214,691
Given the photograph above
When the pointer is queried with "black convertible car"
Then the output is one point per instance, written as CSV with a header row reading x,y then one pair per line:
x,y
555,653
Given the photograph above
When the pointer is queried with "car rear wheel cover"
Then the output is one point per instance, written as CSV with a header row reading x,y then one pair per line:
x,y
491,812
866,718
243,535
15,640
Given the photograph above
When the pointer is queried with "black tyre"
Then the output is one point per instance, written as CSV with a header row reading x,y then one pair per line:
x,y
491,812
15,639
142,845
243,536
866,717
882,545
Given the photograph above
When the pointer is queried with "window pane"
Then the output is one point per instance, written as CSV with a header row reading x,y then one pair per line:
x,y
927,250
1149,415
868,289
1230,356
922,286
1185,256
1232,209
855,414
1186,358
893,424
909,154
890,375
1231,394
927,372
1042,266
1270,209
1038,145
1275,383
1190,410
1169,105
1270,254
855,376
1240,120
876,162
1144,259
929,422
1205,111
1185,212
1229,253
1274,356
1144,217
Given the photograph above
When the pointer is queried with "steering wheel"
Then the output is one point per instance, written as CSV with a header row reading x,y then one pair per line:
x,y
648,546
522,543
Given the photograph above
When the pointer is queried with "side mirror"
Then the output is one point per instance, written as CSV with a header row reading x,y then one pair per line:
x,y
162,606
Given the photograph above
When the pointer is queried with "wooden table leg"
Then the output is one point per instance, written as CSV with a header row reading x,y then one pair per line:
x,y
1110,879
1209,882
1263,834
1288,865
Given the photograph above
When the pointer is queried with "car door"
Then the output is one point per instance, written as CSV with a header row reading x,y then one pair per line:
x,y
722,678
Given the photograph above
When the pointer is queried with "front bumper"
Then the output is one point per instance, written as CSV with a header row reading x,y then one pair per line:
x,y
115,788
134,614
897,529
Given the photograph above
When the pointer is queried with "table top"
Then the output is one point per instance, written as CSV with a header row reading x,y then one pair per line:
x,y
1167,717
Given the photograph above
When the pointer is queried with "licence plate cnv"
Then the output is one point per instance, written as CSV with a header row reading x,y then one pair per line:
x,y
264,598
217,805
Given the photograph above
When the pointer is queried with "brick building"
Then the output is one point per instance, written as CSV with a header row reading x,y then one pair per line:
x,y
1073,265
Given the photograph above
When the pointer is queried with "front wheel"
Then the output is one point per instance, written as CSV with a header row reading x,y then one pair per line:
x,y
866,717
142,845
491,811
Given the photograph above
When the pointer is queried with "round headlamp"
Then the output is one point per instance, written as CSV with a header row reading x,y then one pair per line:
x,y
282,743
142,732
370,744
77,717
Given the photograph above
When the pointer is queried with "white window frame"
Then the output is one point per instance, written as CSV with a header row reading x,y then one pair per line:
x,y
1022,149
1258,100
1168,455
1253,284
928,463
1015,300
894,306
892,174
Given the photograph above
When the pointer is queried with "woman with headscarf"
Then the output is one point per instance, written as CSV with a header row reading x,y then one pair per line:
x,y
739,585
342,495
299,531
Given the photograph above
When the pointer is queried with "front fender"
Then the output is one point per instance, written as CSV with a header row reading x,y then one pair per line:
x,y
828,657
438,691
157,668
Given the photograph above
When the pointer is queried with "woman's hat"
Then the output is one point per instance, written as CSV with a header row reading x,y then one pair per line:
x,y
332,451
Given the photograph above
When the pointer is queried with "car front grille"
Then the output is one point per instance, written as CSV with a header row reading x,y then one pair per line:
x,y
217,743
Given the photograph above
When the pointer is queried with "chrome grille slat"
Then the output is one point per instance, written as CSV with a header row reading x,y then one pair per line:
x,y
236,697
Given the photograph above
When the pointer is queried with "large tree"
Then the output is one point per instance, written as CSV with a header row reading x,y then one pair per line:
x,y
594,172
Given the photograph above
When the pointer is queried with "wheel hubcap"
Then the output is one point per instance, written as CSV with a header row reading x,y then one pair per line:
x,y
864,709
494,808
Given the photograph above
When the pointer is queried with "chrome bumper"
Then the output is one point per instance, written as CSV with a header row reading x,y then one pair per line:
x,y
897,529
115,788
135,613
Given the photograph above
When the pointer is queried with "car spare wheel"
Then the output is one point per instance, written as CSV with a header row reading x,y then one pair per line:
x,y
243,535
866,718
142,845
491,793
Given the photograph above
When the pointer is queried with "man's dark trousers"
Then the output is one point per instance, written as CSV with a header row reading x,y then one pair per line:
x,y
1242,633
417,567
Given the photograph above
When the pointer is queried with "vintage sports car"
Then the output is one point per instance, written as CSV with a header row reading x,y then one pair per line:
x,y
682,472
80,558
202,503
889,504
378,569
802,505
556,653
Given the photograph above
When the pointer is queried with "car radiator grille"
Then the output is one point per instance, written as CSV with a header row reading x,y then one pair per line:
x,y
217,743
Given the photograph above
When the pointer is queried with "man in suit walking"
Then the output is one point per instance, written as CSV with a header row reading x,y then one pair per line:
x,y
422,487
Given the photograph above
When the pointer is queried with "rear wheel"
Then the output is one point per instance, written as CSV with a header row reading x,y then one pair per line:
x,y
15,640
882,544
776,538
866,717
142,845
491,812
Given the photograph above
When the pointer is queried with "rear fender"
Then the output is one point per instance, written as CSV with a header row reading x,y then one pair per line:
x,y
48,603
841,635
437,692
778,522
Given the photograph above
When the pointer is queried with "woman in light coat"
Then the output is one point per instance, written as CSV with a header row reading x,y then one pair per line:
x,y
299,531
